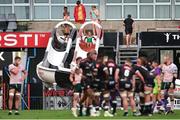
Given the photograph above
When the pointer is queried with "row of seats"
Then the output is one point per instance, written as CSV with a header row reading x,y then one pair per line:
x,y
9,23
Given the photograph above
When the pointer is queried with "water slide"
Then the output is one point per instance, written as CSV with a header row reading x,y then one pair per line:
x,y
51,69
81,48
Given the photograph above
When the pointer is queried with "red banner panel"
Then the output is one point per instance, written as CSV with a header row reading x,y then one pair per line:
x,y
24,39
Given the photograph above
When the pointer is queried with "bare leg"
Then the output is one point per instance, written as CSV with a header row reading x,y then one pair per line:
x,y
127,40
125,104
91,97
83,99
75,100
148,91
97,103
133,105
148,102
130,39
11,96
94,29
90,101
154,99
17,100
171,95
106,96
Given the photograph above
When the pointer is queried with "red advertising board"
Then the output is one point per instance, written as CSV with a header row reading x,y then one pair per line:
x,y
24,39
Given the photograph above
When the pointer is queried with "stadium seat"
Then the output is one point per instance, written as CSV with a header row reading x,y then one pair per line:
x,y
12,24
3,22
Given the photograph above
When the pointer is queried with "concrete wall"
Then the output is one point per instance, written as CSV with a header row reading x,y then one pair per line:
x,y
108,25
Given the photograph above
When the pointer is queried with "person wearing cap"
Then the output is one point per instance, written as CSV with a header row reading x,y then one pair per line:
x,y
88,65
128,23
79,12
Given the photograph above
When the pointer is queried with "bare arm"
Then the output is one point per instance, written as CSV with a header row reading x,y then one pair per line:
x,y
133,81
24,74
133,25
91,14
158,78
116,77
14,70
175,72
106,72
97,13
71,77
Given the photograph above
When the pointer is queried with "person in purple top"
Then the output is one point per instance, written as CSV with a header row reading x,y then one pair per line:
x,y
156,71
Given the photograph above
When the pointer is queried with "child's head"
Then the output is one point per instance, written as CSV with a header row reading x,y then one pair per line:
x,y
93,7
89,33
65,8
78,2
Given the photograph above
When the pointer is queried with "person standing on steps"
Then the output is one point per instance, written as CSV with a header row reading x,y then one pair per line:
x,y
128,23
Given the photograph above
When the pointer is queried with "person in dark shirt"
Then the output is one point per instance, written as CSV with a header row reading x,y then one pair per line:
x,y
128,23
148,82
112,84
125,76
88,66
99,85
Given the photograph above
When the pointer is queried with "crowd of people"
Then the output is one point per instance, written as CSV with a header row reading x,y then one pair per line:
x,y
98,81
80,18
80,13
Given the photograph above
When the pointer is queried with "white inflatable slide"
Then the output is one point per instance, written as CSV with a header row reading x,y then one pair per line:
x,y
51,69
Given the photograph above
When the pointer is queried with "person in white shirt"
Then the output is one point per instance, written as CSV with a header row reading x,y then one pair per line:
x,y
76,77
17,76
169,75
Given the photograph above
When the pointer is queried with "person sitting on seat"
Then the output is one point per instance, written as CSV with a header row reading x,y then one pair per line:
x,y
89,39
66,31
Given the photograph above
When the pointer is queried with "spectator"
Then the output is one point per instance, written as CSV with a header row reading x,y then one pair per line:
x,y
128,23
66,14
89,39
79,13
94,15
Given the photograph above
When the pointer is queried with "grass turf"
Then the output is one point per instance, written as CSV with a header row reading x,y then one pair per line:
x,y
66,114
